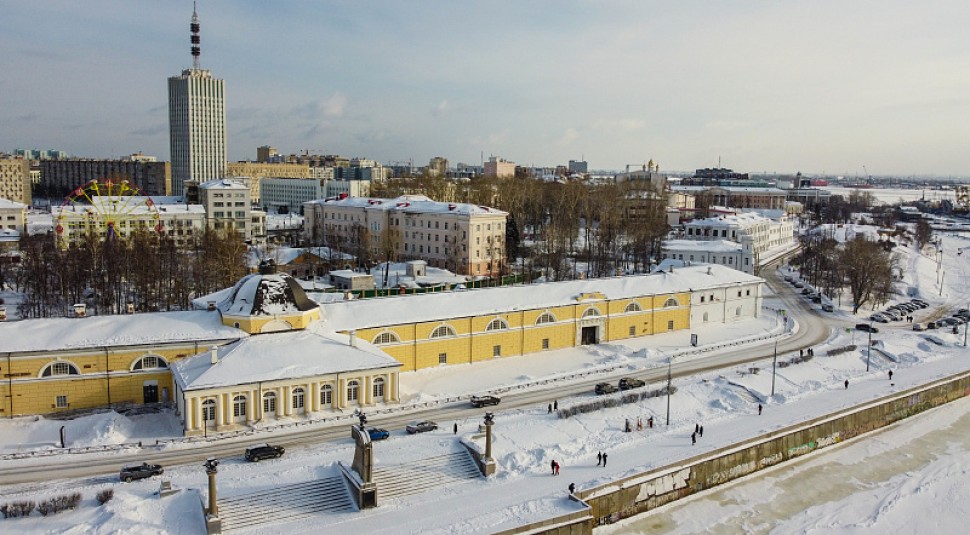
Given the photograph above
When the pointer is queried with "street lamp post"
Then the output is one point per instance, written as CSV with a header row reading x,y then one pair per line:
x,y
869,353
774,365
669,361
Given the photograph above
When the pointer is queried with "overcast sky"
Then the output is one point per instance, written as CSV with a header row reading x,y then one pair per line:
x,y
820,86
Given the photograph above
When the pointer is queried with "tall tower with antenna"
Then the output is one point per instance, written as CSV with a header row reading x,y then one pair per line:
x,y
196,120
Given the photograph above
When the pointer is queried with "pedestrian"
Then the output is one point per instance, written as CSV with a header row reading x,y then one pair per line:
x,y
639,424
626,427
697,427
846,384
557,469
572,488
550,408
599,458
701,432
650,422
552,465
693,438
759,409
555,405
456,428
604,458
801,352
890,375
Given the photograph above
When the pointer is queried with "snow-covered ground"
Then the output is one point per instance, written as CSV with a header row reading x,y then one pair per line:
x,y
527,440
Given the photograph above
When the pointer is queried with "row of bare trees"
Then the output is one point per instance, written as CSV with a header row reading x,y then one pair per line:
x,y
553,226
866,269
150,272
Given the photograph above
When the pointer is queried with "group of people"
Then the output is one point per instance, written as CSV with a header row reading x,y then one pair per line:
x,y
554,406
811,352
699,431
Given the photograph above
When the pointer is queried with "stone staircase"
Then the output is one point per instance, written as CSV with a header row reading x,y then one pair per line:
x,y
286,503
425,474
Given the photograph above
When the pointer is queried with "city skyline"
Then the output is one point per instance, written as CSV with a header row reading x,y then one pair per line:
x,y
816,88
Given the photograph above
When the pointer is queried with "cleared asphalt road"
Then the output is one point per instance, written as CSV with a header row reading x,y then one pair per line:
x,y
813,329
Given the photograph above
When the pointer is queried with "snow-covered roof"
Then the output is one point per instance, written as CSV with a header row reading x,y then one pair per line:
x,y
53,334
712,246
266,295
728,220
7,203
223,183
276,356
416,204
365,313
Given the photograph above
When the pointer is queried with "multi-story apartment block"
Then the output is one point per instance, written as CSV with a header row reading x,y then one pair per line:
x,y
15,180
256,172
287,195
765,233
346,188
105,217
13,216
60,177
438,166
361,169
497,167
197,127
464,238
228,204
578,167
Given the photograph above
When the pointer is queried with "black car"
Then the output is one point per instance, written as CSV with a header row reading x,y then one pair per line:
x,y
605,388
484,401
865,327
628,382
140,471
263,451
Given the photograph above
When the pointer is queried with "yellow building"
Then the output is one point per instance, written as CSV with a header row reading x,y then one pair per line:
x,y
428,330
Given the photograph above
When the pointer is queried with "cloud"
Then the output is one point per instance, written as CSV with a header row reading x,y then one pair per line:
x,y
568,137
28,118
153,130
442,108
334,106
618,124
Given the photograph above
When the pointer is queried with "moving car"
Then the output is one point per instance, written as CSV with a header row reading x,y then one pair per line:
x,y
605,388
828,307
263,451
377,433
421,427
629,382
140,471
865,327
484,401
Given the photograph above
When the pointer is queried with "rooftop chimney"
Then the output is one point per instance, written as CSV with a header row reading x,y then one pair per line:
x,y
353,338
214,355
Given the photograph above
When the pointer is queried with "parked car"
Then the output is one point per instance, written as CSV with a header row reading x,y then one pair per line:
x,y
799,284
865,327
789,278
263,451
807,291
932,325
879,318
960,320
919,327
816,298
132,472
605,388
827,307
629,382
963,311
377,433
484,401
421,427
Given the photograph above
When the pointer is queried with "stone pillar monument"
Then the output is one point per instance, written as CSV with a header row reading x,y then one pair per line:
x,y
361,474
488,462
213,523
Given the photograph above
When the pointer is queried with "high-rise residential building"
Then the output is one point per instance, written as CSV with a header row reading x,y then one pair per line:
x,y
266,154
197,122
578,167
15,180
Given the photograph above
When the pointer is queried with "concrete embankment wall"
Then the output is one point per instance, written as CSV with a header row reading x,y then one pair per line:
x,y
638,494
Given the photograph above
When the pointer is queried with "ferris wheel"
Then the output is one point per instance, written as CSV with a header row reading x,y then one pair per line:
x,y
112,208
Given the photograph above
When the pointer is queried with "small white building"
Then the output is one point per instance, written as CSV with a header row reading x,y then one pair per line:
x,y
739,256
228,204
765,233
13,216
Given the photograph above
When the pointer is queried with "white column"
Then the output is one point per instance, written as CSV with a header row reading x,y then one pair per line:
x,y
314,396
251,402
368,394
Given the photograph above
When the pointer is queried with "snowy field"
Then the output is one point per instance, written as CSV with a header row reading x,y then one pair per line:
x,y
858,495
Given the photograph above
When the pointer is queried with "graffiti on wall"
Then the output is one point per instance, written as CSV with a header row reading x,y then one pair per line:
x,y
770,460
834,438
664,484
735,471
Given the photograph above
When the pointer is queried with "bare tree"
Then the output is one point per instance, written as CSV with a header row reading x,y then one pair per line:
x,y
868,269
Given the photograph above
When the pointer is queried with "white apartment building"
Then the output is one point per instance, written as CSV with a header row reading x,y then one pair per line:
x,y
735,255
463,238
227,204
765,233
347,188
497,167
13,216
291,193
197,127
121,216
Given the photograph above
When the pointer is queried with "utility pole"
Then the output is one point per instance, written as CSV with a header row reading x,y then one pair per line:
x,y
669,361
869,353
774,366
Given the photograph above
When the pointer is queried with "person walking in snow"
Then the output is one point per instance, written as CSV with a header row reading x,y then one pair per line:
x,y
552,465
456,428
650,422
604,458
626,426
572,488
557,469
550,408
639,424
693,438
759,409
846,384
700,433
599,458
890,375
555,405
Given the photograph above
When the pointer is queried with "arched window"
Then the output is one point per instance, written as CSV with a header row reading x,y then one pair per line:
x,y
209,410
591,312
705,317
150,362
298,398
497,324
59,367
546,317
633,307
269,402
326,395
386,337
379,388
443,331
239,406
353,391
671,302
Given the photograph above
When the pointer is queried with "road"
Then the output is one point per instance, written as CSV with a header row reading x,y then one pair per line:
x,y
813,330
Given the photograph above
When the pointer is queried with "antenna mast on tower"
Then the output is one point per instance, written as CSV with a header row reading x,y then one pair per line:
x,y
196,49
